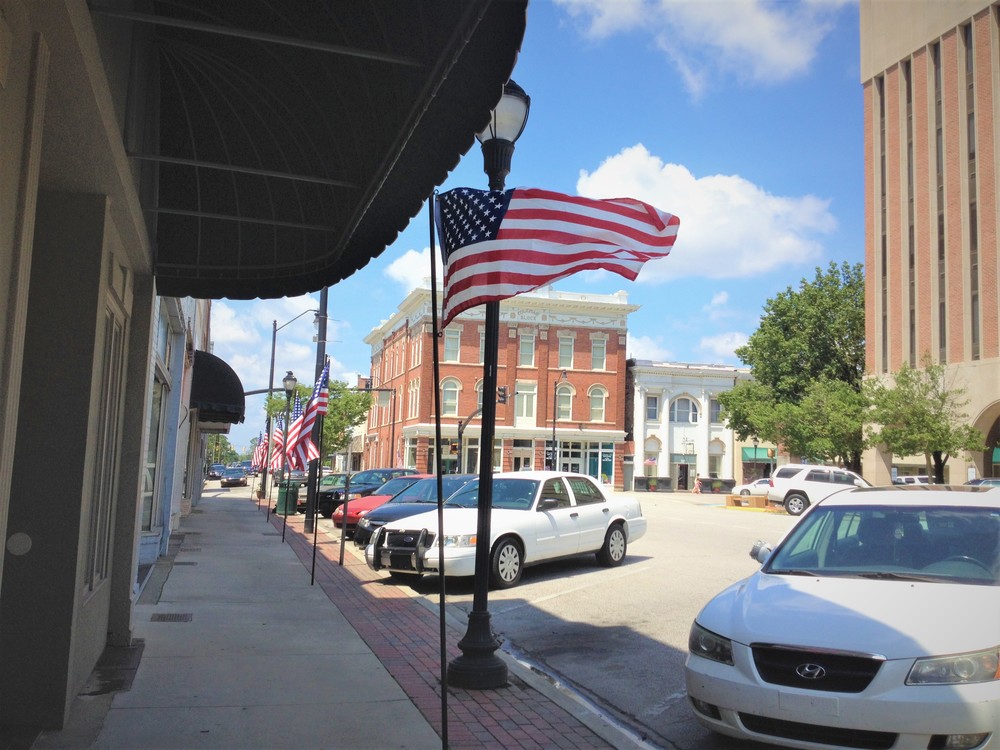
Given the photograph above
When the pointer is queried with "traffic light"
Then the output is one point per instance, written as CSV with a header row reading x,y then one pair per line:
x,y
502,394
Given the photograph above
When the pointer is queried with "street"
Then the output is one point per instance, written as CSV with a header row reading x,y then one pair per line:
x,y
619,635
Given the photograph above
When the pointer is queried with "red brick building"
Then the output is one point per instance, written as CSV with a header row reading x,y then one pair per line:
x,y
561,355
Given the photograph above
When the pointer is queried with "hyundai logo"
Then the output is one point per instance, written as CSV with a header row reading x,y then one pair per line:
x,y
810,671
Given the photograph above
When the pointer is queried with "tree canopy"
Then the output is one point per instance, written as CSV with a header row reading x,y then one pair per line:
x,y
920,415
807,359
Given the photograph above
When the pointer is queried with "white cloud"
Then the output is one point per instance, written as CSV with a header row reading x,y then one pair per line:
x,y
730,228
413,269
722,345
647,347
755,40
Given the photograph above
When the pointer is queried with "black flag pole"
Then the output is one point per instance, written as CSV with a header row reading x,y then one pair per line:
x,y
435,359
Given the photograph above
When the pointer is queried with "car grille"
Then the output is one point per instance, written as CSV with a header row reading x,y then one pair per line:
x,y
815,670
402,549
824,735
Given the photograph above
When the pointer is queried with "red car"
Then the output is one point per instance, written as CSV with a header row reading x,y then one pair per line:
x,y
358,507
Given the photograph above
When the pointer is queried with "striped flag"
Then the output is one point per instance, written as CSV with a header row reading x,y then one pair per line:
x,y
499,244
301,449
260,452
278,441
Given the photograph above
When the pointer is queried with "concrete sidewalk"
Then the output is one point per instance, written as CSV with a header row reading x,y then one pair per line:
x,y
235,649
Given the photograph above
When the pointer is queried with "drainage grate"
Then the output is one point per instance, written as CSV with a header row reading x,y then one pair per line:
x,y
171,617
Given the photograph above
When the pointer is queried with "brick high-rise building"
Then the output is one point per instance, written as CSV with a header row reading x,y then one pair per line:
x,y
931,77
561,355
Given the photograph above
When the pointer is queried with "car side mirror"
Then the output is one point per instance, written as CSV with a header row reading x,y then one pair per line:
x,y
548,503
760,551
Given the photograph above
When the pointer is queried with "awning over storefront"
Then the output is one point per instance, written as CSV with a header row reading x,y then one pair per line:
x,y
217,393
296,140
755,454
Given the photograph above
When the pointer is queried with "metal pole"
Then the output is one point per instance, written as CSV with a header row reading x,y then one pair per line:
x,y
270,443
288,470
555,399
313,479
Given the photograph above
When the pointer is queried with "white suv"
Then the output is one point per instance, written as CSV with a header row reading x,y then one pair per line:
x,y
797,486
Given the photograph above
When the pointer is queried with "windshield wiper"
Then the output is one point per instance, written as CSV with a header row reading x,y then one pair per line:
x,y
886,576
792,572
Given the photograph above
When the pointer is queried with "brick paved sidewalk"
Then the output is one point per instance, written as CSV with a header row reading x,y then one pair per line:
x,y
405,636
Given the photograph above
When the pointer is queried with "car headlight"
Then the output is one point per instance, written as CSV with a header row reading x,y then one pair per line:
x,y
959,669
705,643
364,523
459,540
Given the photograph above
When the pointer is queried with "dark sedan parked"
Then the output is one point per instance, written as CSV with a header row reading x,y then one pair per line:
x,y
414,499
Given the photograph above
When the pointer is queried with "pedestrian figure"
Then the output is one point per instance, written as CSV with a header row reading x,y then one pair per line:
x,y
697,485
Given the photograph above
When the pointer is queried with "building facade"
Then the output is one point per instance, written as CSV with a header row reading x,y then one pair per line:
x,y
676,432
561,365
931,79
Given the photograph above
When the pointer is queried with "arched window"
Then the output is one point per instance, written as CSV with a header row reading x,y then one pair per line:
x,y
598,400
479,395
684,410
449,397
564,402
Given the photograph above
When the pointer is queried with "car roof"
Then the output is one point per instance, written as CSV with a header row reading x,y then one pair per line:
x,y
958,495
539,474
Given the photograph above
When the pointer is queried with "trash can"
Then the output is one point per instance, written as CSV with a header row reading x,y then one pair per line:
x,y
288,498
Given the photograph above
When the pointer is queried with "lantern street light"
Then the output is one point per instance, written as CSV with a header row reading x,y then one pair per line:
x,y
555,404
288,383
755,443
479,667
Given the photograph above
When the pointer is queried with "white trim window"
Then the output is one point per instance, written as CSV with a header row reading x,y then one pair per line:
x,y
565,353
525,398
684,409
598,401
526,350
450,388
598,354
652,408
564,402
452,345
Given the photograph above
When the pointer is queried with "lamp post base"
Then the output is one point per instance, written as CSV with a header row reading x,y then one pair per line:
x,y
479,667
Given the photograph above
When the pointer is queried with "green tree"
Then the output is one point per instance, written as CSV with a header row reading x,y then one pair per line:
x,y
218,450
347,409
806,356
919,414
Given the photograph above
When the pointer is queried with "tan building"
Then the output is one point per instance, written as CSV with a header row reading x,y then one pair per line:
x,y
561,356
931,77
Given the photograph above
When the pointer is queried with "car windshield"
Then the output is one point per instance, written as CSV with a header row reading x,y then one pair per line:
x,y
925,543
508,494
394,486
334,480
425,490
233,473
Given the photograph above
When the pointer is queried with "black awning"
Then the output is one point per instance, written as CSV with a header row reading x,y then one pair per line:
x,y
216,392
297,139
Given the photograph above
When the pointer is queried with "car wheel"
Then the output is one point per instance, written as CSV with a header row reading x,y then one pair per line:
x,y
795,504
612,552
744,493
506,563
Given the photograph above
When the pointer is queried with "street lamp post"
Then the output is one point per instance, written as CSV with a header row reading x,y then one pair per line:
x,y
554,464
479,667
288,383
755,443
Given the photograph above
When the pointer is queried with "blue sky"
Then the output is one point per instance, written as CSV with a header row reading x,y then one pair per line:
x,y
742,117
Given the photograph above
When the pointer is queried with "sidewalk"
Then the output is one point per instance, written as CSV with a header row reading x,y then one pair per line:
x,y
238,650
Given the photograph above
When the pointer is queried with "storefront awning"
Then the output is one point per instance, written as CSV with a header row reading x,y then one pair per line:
x,y
755,454
297,140
217,393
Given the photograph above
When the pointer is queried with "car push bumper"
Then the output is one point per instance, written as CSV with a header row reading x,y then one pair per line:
x,y
416,552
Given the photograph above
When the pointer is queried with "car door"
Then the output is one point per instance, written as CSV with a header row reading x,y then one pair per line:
x,y
553,529
592,513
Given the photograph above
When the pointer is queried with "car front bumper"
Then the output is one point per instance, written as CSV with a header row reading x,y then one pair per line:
x,y
733,700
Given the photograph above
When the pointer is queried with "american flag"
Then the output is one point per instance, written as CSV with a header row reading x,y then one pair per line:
x,y
499,244
260,452
278,441
301,449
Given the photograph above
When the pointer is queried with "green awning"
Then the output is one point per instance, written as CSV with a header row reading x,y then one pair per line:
x,y
755,454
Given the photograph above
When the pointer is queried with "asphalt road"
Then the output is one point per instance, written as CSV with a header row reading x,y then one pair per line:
x,y
619,635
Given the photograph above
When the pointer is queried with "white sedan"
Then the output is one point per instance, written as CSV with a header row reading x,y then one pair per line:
x,y
536,516
756,487
875,623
